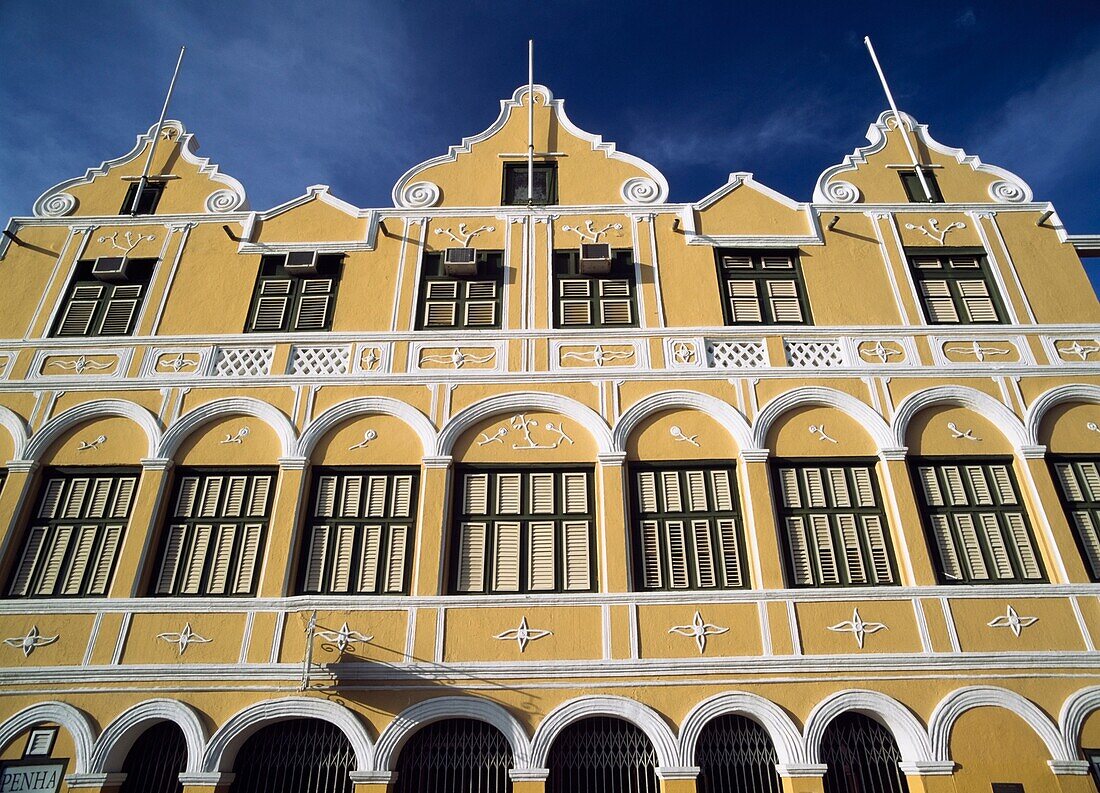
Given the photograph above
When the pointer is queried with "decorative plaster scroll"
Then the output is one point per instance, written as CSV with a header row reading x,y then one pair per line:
x,y
682,352
463,236
699,630
80,364
57,206
238,439
1076,350
184,638
92,445
224,201
857,627
1004,192
525,425
1092,426
599,355
344,638
957,434
934,232
678,435
177,363
841,192
369,359
977,349
640,190
456,358
882,352
368,436
589,233
523,635
31,641
418,195
1013,621
819,430
132,240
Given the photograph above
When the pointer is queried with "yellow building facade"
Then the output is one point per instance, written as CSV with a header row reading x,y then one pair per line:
x,y
581,490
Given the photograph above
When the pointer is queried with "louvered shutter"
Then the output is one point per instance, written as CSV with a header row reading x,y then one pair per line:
x,y
506,556
578,556
100,498
105,561
541,557
815,487
744,301
21,582
173,554
1025,550
351,498
731,553
1091,477
977,301
938,302
261,491
677,554
395,561
343,545
651,555
826,552
575,490
55,556
1086,524
723,492
325,504
81,560
475,494
865,493
998,548
51,499
315,562
575,312
880,555
983,496
376,496
185,501
192,577
211,497
1002,481
440,315
971,548
481,314
696,491
955,488
441,290
372,551
542,494
314,304
647,491
471,557
616,312
223,558
705,570
509,489
80,310
272,305
670,480
788,480
853,553
783,296
945,544
122,308
800,552
74,502
930,483
124,497
234,497
401,506
249,558
838,487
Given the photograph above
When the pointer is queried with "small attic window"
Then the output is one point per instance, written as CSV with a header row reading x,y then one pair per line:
x,y
147,204
544,184
915,192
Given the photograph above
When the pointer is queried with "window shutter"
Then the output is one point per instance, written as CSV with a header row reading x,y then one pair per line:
x,y
815,487
826,553
731,552
880,554
784,301
475,500
978,484
1071,489
506,557
508,494
315,565
1091,477
930,483
234,497
972,551
210,497
578,556
401,506
81,309
185,501
998,548
261,489
671,482
1029,561
744,303
271,310
325,506
575,489
106,561
788,481
314,304
705,571
118,319
395,573
124,497
1086,525
579,288
541,563
223,558
74,504
439,315
101,493
616,312
249,554
938,302
376,496
853,553
51,499
800,552
173,551
1006,494
574,312
20,585
192,577
838,487
51,571
651,555
481,290
471,557
697,491
481,314
372,550
341,558
542,493
723,493
647,491
953,478
82,557
677,555
441,290
945,543
979,305
351,497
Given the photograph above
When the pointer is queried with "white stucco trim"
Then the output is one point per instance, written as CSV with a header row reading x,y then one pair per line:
x,y
641,716
221,408
962,396
1036,412
408,721
727,415
519,401
17,428
1071,721
781,729
867,416
41,441
907,730
344,411
115,742
956,703
221,749
75,721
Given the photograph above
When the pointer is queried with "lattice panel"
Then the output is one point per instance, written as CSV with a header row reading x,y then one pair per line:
x,y
320,360
814,354
243,361
736,354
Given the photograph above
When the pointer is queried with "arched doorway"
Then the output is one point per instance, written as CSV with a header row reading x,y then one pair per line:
x,y
156,760
295,756
862,756
736,753
455,756
602,754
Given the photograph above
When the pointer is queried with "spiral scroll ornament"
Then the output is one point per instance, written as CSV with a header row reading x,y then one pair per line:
x,y
640,190
841,192
418,195
1007,193
57,205
223,201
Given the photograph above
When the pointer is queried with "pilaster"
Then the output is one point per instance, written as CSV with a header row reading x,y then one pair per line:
x,y
678,780
14,502
907,528
802,778
282,534
761,522
613,543
429,575
140,539
529,780
373,781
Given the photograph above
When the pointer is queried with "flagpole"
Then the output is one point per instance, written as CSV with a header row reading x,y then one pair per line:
x,y
156,136
897,118
530,121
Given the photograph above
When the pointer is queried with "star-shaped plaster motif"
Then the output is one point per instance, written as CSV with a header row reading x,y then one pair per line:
x,y
857,627
344,638
523,635
31,642
184,638
699,629
1013,621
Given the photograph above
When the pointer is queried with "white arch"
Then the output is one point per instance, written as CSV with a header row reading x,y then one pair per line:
x,y
17,428
727,415
76,722
867,416
910,735
408,721
641,716
221,749
517,402
115,742
339,413
1071,721
229,406
958,702
41,441
1074,392
962,396
781,729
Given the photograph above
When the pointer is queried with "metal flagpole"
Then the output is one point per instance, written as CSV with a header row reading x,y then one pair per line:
x,y
897,118
530,121
156,136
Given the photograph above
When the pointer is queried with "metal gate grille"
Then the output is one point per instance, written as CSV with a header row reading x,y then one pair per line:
x,y
602,755
735,753
298,756
455,756
155,761
862,757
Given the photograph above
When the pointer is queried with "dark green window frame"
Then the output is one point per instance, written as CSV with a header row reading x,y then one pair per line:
x,y
214,532
913,190
150,198
359,531
762,287
583,300
832,523
514,188
285,301
975,542
505,543
1078,478
94,307
72,540
687,527
956,286
448,302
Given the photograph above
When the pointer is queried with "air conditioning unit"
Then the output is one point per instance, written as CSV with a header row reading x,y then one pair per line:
x,y
301,262
595,258
460,261
110,268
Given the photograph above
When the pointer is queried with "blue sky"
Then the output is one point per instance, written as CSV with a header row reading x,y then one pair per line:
x,y
288,94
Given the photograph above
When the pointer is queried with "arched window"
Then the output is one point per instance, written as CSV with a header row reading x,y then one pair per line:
x,y
862,757
297,756
156,760
455,756
736,753
604,754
